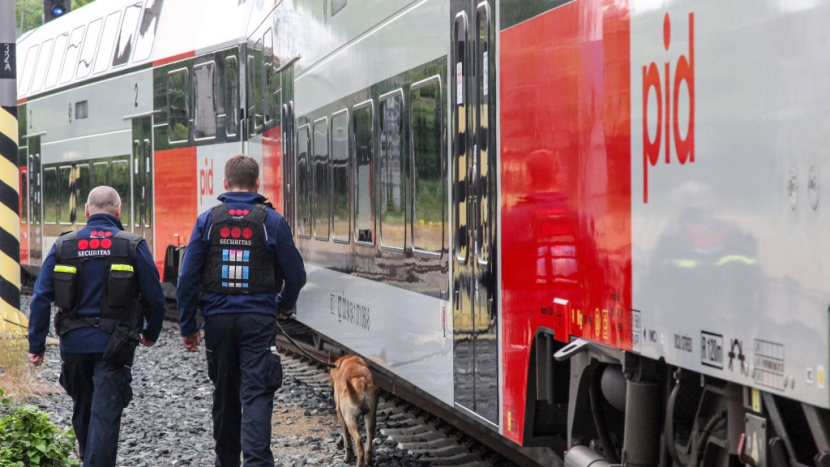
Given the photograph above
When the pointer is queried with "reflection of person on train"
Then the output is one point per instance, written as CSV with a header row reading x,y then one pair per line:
x,y
699,252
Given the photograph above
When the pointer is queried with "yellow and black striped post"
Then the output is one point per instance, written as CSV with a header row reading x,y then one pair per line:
x,y
10,317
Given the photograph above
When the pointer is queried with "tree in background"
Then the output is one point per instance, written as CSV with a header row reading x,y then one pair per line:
x,y
30,13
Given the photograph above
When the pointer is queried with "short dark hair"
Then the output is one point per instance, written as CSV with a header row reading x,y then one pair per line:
x,y
241,171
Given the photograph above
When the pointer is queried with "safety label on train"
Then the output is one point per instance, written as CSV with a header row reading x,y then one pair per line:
x,y
711,349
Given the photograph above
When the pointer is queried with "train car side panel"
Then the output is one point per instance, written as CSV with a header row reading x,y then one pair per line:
x,y
565,184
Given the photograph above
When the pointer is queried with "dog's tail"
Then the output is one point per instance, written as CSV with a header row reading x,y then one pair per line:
x,y
360,385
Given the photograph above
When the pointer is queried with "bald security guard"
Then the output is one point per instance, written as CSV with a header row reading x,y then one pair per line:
x,y
106,285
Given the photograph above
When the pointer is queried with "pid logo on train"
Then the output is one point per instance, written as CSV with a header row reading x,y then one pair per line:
x,y
205,181
666,86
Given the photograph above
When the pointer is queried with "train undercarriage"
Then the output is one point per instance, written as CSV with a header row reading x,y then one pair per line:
x,y
601,406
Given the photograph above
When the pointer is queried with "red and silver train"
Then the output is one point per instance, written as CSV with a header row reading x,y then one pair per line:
x,y
593,226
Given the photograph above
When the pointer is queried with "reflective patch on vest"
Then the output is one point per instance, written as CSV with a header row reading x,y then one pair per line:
x,y
64,268
95,247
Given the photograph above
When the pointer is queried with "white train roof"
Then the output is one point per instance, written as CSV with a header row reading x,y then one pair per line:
x,y
164,30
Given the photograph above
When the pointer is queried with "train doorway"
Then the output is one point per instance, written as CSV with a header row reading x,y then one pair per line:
x,y
142,182
475,323
287,77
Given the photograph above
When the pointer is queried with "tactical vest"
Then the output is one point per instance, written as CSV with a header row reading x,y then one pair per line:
x,y
120,295
238,261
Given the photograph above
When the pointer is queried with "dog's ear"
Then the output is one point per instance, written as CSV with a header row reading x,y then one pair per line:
x,y
331,356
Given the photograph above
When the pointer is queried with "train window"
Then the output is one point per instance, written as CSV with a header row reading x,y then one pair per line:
x,y
81,110
303,184
269,77
392,178
231,96
42,63
121,183
147,30
340,175
72,51
178,111
459,148
125,36
28,69
277,105
100,174
364,212
24,197
55,62
484,223
82,189
320,204
50,196
102,59
90,44
66,192
426,130
203,83
255,87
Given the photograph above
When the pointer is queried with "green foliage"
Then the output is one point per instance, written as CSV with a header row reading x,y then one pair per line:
x,y
27,438
29,13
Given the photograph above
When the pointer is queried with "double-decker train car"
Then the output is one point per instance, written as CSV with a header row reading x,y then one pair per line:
x,y
592,226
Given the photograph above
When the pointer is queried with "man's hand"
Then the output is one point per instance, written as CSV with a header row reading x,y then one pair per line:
x,y
36,358
191,342
145,342
283,315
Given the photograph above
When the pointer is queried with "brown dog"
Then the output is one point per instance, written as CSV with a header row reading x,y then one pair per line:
x,y
355,396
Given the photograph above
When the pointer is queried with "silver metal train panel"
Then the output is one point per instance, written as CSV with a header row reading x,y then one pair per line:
x,y
730,254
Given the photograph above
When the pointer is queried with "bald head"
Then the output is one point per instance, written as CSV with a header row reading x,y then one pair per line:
x,y
103,200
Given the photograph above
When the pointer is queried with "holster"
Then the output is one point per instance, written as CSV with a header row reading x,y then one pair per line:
x,y
121,347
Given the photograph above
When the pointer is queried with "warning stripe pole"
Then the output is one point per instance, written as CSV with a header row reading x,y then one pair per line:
x,y
9,191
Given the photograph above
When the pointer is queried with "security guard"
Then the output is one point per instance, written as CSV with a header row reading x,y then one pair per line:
x,y
241,253
105,283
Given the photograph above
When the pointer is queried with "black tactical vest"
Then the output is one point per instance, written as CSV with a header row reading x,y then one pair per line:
x,y
238,261
120,301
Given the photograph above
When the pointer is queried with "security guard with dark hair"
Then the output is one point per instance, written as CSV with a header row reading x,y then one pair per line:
x,y
241,254
106,285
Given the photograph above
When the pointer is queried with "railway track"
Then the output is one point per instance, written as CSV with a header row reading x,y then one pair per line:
x,y
417,423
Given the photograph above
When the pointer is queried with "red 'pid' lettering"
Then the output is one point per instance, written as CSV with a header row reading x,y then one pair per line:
x,y
668,126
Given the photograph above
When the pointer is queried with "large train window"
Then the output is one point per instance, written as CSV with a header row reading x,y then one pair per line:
x,y
28,69
320,205
100,174
55,62
255,87
231,96
121,183
102,59
269,77
81,192
50,196
364,206
340,175
484,221
147,30
24,197
177,114
90,44
72,51
425,123
125,36
460,182
303,184
42,63
205,115
392,177
66,189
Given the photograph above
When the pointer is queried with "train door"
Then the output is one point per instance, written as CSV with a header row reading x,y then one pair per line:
x,y
287,77
476,339
142,214
35,201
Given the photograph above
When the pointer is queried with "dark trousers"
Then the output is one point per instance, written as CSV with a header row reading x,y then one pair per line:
x,y
100,391
245,375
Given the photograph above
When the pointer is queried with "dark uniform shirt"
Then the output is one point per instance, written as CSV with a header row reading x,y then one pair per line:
x,y
92,339
279,240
